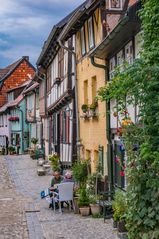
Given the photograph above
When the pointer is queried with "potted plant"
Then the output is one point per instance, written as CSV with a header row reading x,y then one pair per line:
x,y
11,149
34,141
92,184
84,108
119,210
55,161
80,172
83,202
95,207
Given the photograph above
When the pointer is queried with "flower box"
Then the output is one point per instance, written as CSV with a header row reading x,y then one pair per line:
x,y
13,118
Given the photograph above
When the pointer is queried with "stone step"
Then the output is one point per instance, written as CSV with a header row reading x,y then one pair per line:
x,y
41,172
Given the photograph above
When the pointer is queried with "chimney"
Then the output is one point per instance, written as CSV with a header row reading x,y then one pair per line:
x,y
26,57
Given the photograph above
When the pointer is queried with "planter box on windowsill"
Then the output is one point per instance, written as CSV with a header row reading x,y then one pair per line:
x,y
13,118
85,116
93,113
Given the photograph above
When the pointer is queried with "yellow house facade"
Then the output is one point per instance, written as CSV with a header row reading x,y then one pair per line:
x,y
92,123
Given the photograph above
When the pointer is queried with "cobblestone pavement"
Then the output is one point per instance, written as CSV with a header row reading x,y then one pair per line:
x,y
42,222
12,217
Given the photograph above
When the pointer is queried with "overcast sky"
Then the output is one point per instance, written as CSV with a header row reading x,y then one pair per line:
x,y
25,25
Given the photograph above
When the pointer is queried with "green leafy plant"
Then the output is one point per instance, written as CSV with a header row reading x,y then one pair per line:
x,y
80,171
83,200
11,149
84,108
34,141
55,161
139,84
119,206
94,105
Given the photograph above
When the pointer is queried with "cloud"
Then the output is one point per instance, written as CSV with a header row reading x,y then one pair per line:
x,y
3,42
25,25
16,52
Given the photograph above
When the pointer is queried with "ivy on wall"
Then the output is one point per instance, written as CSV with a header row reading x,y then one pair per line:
x,y
139,85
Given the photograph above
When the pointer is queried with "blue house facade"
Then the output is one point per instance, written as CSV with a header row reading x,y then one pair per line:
x,y
18,125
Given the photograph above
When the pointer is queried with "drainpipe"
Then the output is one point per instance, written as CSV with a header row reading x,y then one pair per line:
x,y
22,124
76,96
109,145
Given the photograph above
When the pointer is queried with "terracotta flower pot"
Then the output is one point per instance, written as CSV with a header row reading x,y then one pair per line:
x,y
85,211
95,209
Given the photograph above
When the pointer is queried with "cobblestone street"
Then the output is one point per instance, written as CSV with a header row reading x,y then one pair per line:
x,y
24,215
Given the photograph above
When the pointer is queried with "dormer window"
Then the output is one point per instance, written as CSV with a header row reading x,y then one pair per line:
x,y
115,4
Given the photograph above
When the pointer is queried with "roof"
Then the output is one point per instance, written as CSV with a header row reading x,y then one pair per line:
x,y
20,86
32,87
7,71
11,103
128,26
55,32
80,16
16,101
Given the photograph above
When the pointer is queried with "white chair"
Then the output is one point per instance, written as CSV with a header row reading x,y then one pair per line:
x,y
65,193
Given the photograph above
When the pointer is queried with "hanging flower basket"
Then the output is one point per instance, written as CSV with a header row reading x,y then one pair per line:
x,y
13,118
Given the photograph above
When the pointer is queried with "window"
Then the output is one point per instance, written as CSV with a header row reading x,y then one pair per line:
x,y
111,67
101,158
88,154
120,59
90,32
129,53
61,63
10,96
115,4
94,88
49,79
83,43
55,129
86,92
96,158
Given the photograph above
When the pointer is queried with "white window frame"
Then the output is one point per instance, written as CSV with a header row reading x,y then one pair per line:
x,y
129,53
83,43
116,8
90,33
111,71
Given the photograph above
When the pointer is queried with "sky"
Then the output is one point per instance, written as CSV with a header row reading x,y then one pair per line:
x,y
26,24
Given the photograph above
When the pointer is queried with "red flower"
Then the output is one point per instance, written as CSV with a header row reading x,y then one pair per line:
x,y
117,159
122,173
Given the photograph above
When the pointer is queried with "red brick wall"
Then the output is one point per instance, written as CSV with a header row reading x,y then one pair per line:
x,y
18,77
131,2
112,19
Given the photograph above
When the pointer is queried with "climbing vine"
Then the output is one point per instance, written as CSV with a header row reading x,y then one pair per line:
x,y
138,85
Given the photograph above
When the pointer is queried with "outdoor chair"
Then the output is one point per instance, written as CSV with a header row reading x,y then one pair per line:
x,y
106,203
64,194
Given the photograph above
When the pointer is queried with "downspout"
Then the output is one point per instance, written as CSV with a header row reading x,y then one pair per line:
x,y
109,145
22,124
76,96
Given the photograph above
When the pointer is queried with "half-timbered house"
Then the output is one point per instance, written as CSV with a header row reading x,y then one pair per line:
x,y
57,93
122,44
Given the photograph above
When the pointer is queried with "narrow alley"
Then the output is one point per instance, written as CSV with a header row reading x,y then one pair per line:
x,y
25,216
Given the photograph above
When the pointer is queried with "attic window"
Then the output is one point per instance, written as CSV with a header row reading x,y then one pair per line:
x,y
115,4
